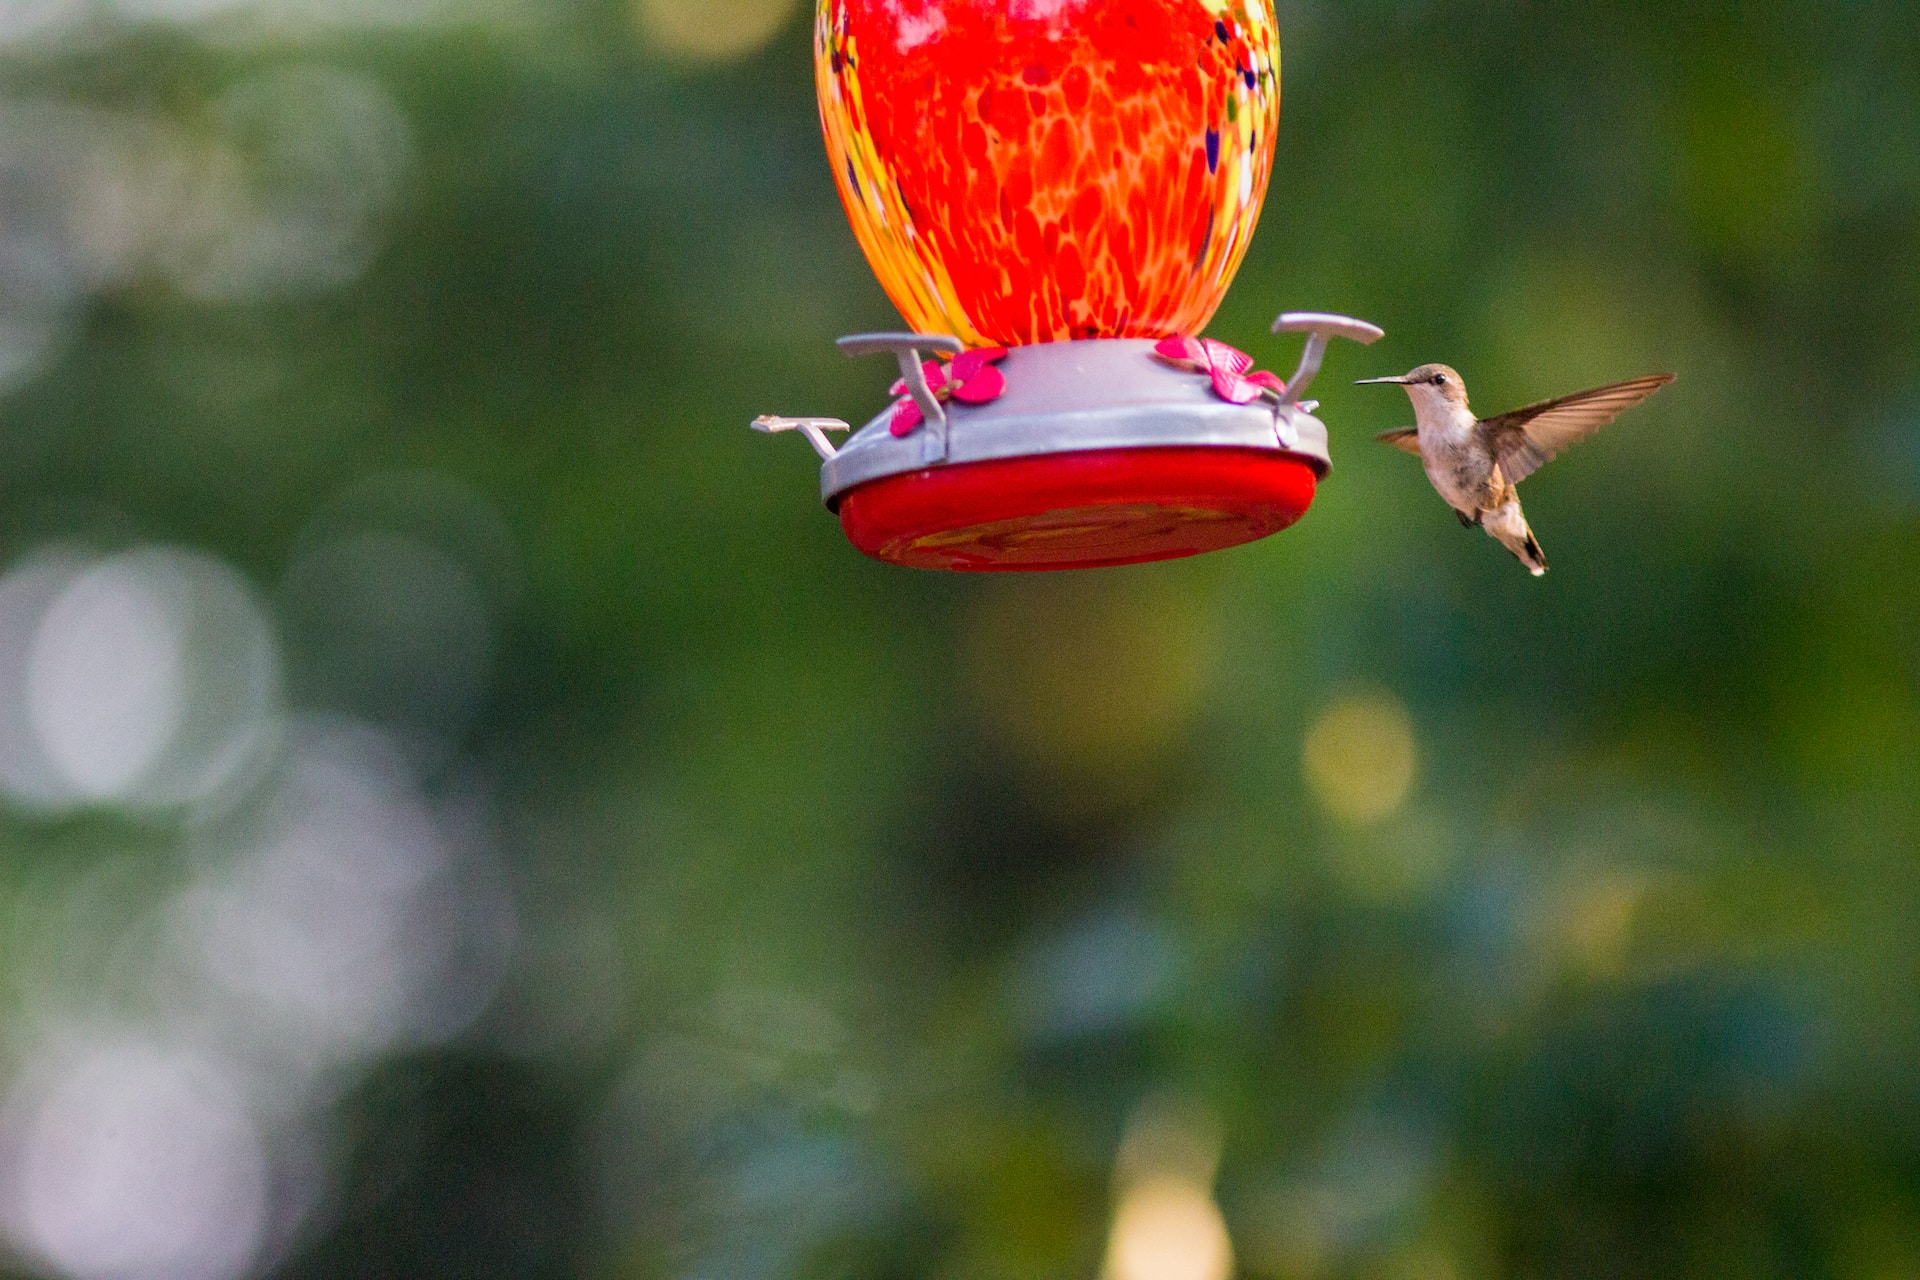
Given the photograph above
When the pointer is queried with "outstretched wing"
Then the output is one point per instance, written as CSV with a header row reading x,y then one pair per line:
x,y
1527,439
1406,439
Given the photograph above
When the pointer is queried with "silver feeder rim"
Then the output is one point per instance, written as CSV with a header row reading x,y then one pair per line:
x,y
1073,397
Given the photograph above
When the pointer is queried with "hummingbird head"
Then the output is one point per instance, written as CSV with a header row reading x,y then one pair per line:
x,y
1431,385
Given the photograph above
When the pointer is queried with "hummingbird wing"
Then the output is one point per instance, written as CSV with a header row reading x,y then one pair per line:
x,y
1406,439
1527,439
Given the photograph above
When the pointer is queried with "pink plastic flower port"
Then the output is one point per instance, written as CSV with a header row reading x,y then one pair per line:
x,y
1231,370
969,378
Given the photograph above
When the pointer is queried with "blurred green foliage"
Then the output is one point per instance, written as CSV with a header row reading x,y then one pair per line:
x,y
861,909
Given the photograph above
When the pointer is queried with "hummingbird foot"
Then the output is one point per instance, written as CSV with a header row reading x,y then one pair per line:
x,y
1465,522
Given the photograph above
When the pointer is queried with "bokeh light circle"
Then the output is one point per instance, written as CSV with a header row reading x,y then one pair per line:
x,y
1360,758
712,30
1169,1229
149,678
294,190
106,679
131,1161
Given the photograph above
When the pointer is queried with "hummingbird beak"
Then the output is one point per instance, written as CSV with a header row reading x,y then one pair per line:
x,y
1371,382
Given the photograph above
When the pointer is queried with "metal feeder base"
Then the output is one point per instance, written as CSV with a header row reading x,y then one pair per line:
x,y
1082,509
1097,453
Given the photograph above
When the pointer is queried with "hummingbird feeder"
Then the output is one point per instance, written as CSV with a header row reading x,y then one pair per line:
x,y
1056,194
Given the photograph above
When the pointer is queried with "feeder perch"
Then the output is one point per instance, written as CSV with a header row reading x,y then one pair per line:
x,y
1056,197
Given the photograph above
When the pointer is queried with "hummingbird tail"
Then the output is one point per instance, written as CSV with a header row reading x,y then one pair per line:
x,y
1532,556
1509,526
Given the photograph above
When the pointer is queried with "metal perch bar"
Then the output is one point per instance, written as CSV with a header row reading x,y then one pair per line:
x,y
906,348
1320,327
814,429
868,344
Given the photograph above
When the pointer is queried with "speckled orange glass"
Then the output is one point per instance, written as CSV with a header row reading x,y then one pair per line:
x,y
1024,171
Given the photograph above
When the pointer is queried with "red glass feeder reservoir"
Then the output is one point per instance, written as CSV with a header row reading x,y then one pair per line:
x,y
1056,193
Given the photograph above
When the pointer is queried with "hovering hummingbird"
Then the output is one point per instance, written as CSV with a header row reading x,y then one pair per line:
x,y
1475,463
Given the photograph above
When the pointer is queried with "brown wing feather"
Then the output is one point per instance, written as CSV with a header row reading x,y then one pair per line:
x,y
1406,439
1527,439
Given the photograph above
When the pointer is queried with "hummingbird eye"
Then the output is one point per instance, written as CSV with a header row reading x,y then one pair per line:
x,y
1439,379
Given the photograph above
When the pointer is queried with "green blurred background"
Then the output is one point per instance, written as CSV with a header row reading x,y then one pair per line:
x,y
469,813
